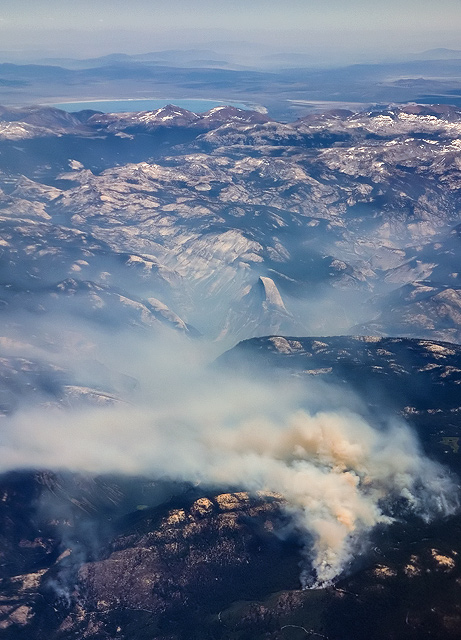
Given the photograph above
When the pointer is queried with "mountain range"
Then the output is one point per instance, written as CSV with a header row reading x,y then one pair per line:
x,y
168,279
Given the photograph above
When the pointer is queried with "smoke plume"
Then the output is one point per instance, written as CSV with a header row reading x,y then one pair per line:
x,y
339,475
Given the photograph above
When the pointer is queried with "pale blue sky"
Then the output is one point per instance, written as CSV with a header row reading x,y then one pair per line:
x,y
238,14
410,23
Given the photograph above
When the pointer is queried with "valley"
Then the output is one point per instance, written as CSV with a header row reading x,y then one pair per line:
x,y
229,373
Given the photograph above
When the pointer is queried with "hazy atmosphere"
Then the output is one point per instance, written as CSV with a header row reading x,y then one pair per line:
x,y
359,27
230,320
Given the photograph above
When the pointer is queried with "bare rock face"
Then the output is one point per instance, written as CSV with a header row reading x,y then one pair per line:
x,y
260,311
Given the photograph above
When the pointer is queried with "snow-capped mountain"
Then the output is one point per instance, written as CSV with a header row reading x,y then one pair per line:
x,y
197,210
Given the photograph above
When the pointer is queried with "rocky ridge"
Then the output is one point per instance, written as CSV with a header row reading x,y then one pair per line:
x,y
151,224
208,565
347,201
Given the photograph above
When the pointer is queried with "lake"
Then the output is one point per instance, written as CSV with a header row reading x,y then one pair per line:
x,y
121,106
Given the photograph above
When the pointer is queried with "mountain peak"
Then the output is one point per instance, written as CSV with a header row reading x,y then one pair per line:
x,y
272,294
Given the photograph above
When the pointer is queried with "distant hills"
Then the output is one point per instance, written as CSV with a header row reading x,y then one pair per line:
x,y
287,84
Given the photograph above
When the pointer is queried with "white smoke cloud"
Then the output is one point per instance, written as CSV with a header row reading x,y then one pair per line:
x,y
338,475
